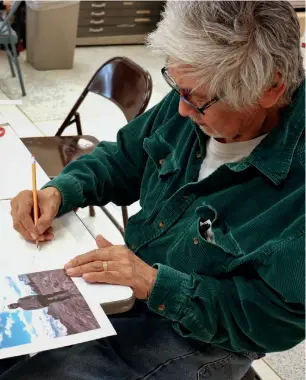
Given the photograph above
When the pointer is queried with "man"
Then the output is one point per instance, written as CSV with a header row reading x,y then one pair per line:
x,y
217,252
39,301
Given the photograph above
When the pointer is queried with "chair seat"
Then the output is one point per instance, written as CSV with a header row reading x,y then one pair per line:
x,y
54,153
4,35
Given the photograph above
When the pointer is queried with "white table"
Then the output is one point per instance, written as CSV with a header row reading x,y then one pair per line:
x,y
71,236
15,169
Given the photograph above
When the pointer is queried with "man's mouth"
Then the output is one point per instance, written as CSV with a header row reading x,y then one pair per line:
x,y
197,122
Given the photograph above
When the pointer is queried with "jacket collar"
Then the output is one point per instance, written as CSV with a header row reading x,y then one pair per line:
x,y
273,156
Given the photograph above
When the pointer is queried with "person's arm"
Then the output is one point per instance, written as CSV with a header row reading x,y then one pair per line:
x,y
260,314
113,171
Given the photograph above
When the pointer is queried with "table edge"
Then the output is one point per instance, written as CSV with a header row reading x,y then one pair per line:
x,y
118,307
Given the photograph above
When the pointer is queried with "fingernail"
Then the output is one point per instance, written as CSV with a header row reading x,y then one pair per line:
x,y
68,265
69,271
34,237
49,236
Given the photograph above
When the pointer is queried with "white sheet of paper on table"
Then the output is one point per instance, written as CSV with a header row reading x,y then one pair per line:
x,y
16,169
71,239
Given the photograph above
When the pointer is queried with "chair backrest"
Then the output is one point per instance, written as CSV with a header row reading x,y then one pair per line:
x,y
6,22
125,83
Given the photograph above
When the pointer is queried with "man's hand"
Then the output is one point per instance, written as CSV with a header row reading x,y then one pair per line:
x,y
122,266
49,201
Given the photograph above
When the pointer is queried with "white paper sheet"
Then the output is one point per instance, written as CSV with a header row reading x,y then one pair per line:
x,y
71,239
30,329
2,120
16,170
46,310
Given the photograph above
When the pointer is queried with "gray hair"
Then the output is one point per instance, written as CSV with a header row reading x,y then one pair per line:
x,y
235,48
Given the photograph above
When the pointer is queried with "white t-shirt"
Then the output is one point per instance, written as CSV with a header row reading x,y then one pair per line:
x,y
218,154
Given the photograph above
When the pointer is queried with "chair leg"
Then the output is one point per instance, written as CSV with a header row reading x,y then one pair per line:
x,y
125,216
16,61
71,114
78,124
113,220
9,57
92,211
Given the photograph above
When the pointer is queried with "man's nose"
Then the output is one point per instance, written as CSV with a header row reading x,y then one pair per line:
x,y
186,110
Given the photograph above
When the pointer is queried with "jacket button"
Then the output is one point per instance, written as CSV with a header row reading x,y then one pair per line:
x,y
185,197
161,307
161,224
133,246
161,161
195,240
198,154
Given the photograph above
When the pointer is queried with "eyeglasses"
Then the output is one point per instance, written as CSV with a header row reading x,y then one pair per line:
x,y
183,95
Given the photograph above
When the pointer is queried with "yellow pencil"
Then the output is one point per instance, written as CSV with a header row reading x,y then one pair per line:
x,y
34,188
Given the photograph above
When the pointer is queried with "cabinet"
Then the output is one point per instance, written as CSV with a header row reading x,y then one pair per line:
x,y
117,22
300,5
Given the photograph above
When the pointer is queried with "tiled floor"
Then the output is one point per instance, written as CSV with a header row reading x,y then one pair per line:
x,y
290,365
102,119
266,372
51,94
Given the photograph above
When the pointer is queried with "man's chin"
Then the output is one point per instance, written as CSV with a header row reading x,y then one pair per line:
x,y
208,132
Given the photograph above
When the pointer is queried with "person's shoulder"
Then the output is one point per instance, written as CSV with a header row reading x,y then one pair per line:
x,y
170,102
293,136
296,176
166,109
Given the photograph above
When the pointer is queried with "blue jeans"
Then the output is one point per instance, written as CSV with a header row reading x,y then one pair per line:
x,y
145,348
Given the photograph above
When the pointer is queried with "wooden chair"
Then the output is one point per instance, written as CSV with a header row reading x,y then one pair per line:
x,y
121,81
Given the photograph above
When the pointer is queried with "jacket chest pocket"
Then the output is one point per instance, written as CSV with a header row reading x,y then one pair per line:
x,y
215,232
161,167
162,155
207,244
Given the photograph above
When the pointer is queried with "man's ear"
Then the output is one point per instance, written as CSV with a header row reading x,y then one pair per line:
x,y
272,95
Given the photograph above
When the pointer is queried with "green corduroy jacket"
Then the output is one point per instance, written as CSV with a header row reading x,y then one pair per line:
x,y
239,286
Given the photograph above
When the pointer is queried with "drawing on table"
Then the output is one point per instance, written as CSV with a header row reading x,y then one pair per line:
x,y
41,306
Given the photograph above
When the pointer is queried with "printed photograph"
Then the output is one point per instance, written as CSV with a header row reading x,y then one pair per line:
x,y
41,306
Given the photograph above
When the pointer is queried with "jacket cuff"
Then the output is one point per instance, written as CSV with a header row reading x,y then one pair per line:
x,y
71,191
168,295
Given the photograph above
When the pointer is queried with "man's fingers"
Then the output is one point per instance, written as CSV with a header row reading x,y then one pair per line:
x,y
26,219
102,243
108,277
81,259
87,258
22,210
48,234
46,237
20,228
94,266
43,223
